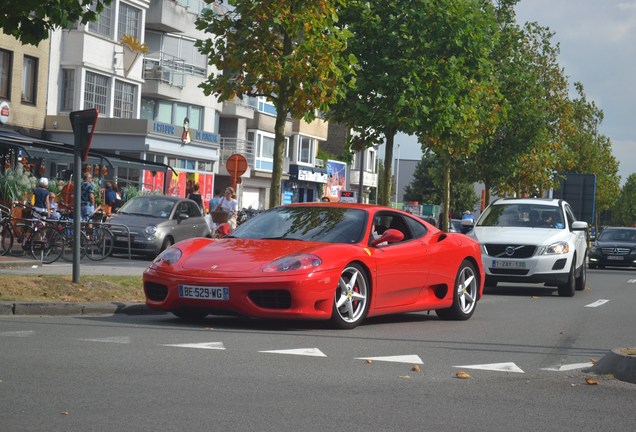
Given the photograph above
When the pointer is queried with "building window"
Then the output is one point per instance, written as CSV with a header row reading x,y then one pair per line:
x,y
68,89
305,150
125,97
103,24
171,113
29,79
96,92
5,74
129,21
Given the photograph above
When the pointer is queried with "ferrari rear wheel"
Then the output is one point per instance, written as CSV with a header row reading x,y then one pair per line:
x,y
464,295
351,301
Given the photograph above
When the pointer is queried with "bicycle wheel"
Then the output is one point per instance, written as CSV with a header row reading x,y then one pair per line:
x,y
6,239
47,245
100,243
25,233
69,244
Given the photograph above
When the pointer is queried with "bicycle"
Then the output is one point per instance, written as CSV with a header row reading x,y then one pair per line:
x,y
32,235
100,239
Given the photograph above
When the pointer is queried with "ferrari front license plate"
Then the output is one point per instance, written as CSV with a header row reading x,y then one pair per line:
x,y
508,264
204,293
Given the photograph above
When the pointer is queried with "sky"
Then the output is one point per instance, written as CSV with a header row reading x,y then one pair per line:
x,y
597,40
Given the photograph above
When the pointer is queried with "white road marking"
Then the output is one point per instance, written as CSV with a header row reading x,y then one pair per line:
x,y
204,345
498,367
114,339
597,303
569,367
631,281
413,359
19,333
314,352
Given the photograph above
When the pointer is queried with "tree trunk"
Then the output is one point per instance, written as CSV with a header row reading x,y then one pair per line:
x,y
279,153
446,192
385,197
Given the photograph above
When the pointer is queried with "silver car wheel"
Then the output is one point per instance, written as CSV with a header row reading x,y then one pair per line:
x,y
351,298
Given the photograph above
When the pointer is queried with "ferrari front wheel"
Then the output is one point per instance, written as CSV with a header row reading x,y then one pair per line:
x,y
351,301
464,295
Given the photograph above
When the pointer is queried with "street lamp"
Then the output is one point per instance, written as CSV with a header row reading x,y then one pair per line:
x,y
397,174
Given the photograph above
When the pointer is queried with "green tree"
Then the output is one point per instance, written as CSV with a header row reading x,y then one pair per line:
x,y
390,43
462,100
624,212
30,21
288,51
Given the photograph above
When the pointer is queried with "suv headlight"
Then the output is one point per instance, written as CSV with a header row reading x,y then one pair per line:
x,y
557,248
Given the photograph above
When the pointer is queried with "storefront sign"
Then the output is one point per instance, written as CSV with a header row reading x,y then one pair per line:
x,y
178,132
312,176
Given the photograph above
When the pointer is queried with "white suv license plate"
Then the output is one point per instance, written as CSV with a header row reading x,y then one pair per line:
x,y
204,293
508,264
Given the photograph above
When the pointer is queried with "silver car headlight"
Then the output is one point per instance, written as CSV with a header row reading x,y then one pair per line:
x,y
558,248
150,230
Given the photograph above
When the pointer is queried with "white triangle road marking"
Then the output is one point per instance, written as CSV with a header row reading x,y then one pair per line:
x,y
498,367
204,345
597,303
314,352
569,367
114,339
19,333
414,359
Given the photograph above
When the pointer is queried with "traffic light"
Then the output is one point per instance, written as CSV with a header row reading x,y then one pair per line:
x,y
83,123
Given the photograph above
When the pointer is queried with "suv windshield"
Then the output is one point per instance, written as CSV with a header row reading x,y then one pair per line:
x,y
522,215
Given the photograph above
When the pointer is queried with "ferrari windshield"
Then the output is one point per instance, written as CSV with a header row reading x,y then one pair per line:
x,y
306,223
522,215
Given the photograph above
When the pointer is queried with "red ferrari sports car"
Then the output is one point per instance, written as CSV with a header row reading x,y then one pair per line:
x,y
328,261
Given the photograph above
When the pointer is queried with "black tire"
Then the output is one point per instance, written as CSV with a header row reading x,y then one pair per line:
x,y
490,283
69,244
581,280
100,244
166,244
47,245
351,299
465,294
6,239
190,314
567,289
25,233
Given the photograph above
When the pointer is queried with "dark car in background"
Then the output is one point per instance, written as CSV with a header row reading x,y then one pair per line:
x,y
156,222
614,247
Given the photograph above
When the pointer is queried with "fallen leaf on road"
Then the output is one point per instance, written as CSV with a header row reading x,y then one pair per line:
x,y
415,368
591,381
594,361
369,361
535,297
64,413
405,376
462,375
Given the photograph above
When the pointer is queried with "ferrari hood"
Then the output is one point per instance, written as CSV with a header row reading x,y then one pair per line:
x,y
243,256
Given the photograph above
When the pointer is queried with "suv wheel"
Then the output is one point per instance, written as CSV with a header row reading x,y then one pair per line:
x,y
567,289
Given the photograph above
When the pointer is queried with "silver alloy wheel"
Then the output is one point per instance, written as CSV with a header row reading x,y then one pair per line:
x,y
352,295
467,289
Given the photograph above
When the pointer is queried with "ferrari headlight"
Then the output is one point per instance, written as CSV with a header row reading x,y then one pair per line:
x,y
293,263
557,248
170,256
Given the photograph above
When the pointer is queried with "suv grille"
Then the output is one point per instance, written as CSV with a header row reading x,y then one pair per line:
x,y
615,251
510,251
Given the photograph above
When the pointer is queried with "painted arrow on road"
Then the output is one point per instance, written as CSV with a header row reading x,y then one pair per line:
x,y
413,359
497,367
204,345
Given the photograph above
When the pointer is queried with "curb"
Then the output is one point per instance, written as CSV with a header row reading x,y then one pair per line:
x,y
69,309
619,362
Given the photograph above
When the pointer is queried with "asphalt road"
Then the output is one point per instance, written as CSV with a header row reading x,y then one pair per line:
x,y
525,350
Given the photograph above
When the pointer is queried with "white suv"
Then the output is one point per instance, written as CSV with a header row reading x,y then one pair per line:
x,y
533,240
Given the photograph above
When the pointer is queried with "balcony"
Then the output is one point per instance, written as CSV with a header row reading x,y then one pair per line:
x,y
236,108
170,16
230,146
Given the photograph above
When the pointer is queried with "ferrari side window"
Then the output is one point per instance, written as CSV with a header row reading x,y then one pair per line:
x,y
418,229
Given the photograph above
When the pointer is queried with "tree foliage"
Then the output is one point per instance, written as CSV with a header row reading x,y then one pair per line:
x,y
624,212
288,51
30,21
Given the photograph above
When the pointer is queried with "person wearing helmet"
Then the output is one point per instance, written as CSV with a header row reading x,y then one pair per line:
x,y
41,193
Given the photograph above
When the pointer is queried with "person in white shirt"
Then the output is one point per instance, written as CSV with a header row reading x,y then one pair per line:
x,y
229,204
